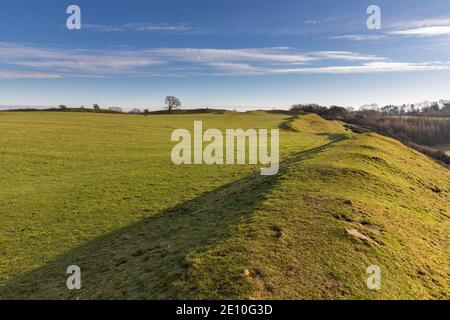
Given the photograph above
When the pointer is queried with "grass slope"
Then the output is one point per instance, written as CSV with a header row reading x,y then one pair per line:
x,y
100,191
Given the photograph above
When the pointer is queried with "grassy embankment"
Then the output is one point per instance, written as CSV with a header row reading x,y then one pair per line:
x,y
100,191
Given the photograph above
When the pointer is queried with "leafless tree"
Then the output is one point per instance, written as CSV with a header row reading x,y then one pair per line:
x,y
172,103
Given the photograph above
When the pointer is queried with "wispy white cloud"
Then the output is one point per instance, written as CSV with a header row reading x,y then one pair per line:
x,y
274,55
321,21
67,61
87,63
28,75
431,27
346,56
233,66
234,69
28,61
372,67
423,32
209,55
420,23
361,37
138,26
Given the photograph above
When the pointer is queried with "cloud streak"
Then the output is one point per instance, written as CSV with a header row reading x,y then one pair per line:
x,y
26,61
424,32
430,22
139,27
68,61
361,37
28,75
432,27
372,67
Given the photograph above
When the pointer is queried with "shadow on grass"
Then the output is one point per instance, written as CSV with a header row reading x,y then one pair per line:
x,y
286,124
160,257
189,111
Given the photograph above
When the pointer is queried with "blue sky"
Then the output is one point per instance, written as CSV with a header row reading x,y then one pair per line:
x,y
223,53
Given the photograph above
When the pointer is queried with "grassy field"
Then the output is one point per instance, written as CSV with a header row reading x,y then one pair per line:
x,y
100,191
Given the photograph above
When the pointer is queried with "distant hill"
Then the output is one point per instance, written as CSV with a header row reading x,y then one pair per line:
x,y
157,112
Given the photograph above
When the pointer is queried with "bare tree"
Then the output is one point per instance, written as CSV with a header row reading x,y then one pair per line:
x,y
172,103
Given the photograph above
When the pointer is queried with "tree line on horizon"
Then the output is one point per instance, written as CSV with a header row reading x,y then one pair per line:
x,y
431,109
423,128
171,103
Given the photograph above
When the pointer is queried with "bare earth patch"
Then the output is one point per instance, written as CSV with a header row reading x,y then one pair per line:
x,y
355,233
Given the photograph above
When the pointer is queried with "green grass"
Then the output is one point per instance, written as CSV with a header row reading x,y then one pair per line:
x,y
100,191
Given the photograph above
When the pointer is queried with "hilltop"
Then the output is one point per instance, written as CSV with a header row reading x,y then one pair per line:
x,y
97,190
